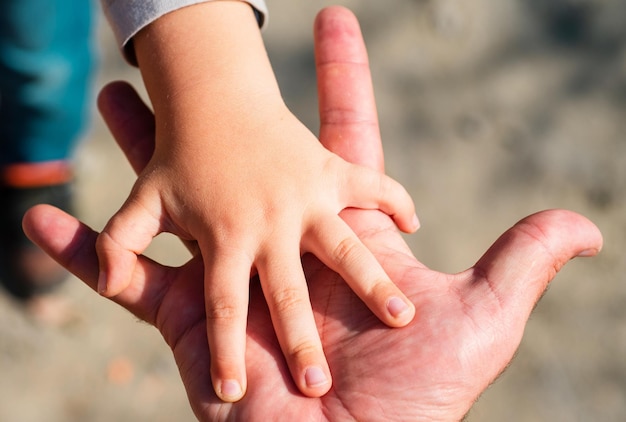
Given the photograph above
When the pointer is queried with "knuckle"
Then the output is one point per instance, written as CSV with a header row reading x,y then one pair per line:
x,y
289,301
347,252
379,290
303,349
222,312
334,164
226,361
106,243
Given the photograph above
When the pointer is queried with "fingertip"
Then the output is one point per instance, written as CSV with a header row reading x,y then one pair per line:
x,y
311,373
229,383
415,223
407,225
588,253
102,284
230,390
111,94
317,381
395,201
115,267
109,287
337,21
31,217
401,311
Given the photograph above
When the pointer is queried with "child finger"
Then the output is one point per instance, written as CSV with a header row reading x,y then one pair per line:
x,y
336,245
369,189
226,289
285,290
127,234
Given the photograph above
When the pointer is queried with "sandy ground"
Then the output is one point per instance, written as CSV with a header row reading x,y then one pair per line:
x,y
490,111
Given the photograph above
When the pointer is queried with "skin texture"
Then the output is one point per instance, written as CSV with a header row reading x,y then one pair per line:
x,y
468,325
235,171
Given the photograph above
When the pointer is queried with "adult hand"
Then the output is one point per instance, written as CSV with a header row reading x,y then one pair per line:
x,y
467,326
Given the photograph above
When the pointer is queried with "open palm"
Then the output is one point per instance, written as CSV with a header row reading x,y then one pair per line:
x,y
467,326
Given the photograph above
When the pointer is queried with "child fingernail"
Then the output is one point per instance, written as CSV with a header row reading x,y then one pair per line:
x,y
416,222
397,306
230,390
587,253
314,377
102,283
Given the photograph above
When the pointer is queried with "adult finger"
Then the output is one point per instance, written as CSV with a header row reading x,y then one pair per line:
x,y
349,123
130,121
72,244
520,264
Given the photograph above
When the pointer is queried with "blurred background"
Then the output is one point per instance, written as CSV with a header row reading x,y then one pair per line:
x,y
489,111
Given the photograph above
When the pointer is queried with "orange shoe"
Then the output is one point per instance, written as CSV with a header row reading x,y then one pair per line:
x,y
25,270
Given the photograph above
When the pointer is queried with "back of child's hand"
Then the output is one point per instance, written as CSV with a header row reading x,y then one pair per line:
x,y
235,171
257,203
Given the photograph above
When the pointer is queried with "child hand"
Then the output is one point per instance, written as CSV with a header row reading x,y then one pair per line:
x,y
234,170
259,204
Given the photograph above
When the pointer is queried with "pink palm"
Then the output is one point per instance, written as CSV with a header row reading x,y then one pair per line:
x,y
467,327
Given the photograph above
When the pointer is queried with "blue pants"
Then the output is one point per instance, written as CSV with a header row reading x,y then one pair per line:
x,y
46,65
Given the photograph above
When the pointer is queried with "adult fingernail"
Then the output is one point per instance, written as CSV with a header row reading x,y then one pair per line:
x,y
314,376
397,306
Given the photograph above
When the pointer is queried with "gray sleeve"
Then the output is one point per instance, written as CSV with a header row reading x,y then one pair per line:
x,y
127,17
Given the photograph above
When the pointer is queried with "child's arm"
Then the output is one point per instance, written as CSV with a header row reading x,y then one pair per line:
x,y
236,171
